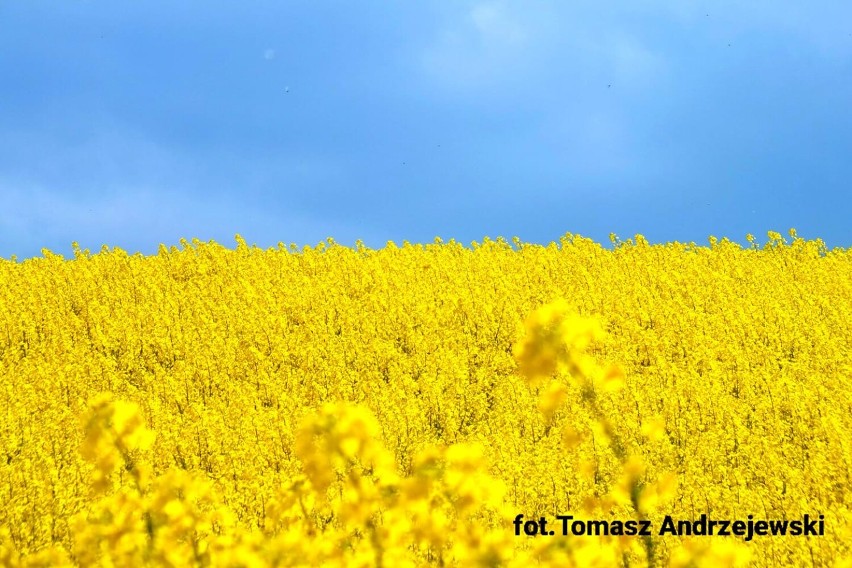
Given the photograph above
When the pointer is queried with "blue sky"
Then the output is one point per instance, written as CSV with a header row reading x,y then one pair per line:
x,y
138,123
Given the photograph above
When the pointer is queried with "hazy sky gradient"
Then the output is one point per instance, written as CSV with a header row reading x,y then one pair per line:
x,y
133,124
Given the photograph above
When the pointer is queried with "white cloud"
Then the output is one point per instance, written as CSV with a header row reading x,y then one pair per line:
x,y
484,46
495,24
820,24
632,62
505,44
140,219
115,186
496,44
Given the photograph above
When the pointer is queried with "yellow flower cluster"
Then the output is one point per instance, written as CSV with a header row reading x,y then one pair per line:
x,y
406,406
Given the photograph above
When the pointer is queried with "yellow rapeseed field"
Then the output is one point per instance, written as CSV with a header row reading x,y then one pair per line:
x,y
506,404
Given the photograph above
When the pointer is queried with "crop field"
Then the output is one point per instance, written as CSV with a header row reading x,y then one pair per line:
x,y
502,404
